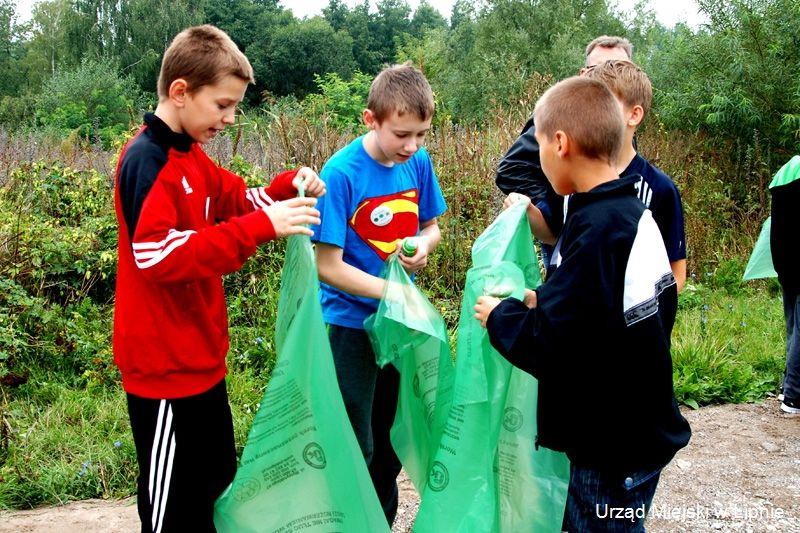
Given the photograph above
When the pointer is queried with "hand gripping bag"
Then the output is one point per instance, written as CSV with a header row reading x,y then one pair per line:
x,y
408,332
487,474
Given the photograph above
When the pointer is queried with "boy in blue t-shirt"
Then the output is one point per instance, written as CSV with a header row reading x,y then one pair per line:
x,y
381,189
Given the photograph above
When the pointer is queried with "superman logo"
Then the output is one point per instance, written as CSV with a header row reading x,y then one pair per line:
x,y
383,220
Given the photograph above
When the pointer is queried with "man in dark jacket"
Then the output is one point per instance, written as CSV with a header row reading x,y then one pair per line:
x,y
519,170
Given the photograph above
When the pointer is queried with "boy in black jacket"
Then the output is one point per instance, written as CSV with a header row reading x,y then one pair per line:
x,y
600,326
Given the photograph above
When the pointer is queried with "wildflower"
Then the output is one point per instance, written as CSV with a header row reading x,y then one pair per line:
x,y
259,340
117,443
84,466
730,307
705,307
742,323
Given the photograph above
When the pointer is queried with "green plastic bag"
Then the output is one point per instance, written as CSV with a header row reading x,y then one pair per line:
x,y
787,173
760,263
408,332
301,469
486,466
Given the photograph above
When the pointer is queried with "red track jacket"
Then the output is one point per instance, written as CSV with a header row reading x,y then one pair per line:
x,y
183,223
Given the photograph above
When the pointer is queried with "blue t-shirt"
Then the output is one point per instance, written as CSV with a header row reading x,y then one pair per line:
x,y
367,208
660,195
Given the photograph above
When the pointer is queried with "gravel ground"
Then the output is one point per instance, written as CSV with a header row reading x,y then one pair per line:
x,y
741,472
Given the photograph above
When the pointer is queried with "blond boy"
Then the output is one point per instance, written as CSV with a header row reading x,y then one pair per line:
x,y
597,334
183,223
634,93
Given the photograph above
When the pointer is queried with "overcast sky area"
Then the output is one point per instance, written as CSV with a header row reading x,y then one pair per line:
x,y
668,12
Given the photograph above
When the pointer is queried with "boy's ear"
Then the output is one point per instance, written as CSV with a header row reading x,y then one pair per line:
x,y
635,116
563,143
369,118
178,90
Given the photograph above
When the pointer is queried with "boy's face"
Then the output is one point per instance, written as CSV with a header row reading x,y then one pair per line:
x,y
207,111
397,137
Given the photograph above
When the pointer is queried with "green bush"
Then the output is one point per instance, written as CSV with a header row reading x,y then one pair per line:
x,y
93,100
342,101
58,234
16,111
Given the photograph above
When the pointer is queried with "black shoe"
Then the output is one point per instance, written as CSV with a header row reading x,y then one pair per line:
x,y
790,406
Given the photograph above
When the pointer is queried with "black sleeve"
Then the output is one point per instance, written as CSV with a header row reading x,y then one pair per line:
x,y
577,299
520,171
138,171
515,331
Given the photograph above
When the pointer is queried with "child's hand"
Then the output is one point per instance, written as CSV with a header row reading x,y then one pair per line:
x,y
291,216
314,186
417,261
514,198
484,307
530,299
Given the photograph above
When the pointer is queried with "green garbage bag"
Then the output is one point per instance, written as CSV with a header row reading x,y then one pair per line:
x,y
787,173
760,263
302,468
408,332
486,465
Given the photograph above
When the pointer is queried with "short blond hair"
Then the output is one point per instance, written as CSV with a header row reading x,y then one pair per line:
x,y
400,88
626,80
202,55
610,41
586,111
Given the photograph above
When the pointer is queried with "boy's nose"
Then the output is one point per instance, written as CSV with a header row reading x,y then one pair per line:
x,y
229,118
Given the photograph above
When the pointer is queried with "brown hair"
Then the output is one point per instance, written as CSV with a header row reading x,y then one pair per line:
x,y
202,55
627,81
587,112
400,88
610,41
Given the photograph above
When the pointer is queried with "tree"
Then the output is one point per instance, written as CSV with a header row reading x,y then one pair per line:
x,y
295,53
361,26
10,49
426,18
391,22
737,77
336,13
251,24
47,44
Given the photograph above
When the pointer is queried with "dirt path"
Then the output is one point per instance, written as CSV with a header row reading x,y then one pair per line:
x,y
741,472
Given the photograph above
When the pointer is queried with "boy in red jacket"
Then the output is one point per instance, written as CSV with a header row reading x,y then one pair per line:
x,y
183,223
